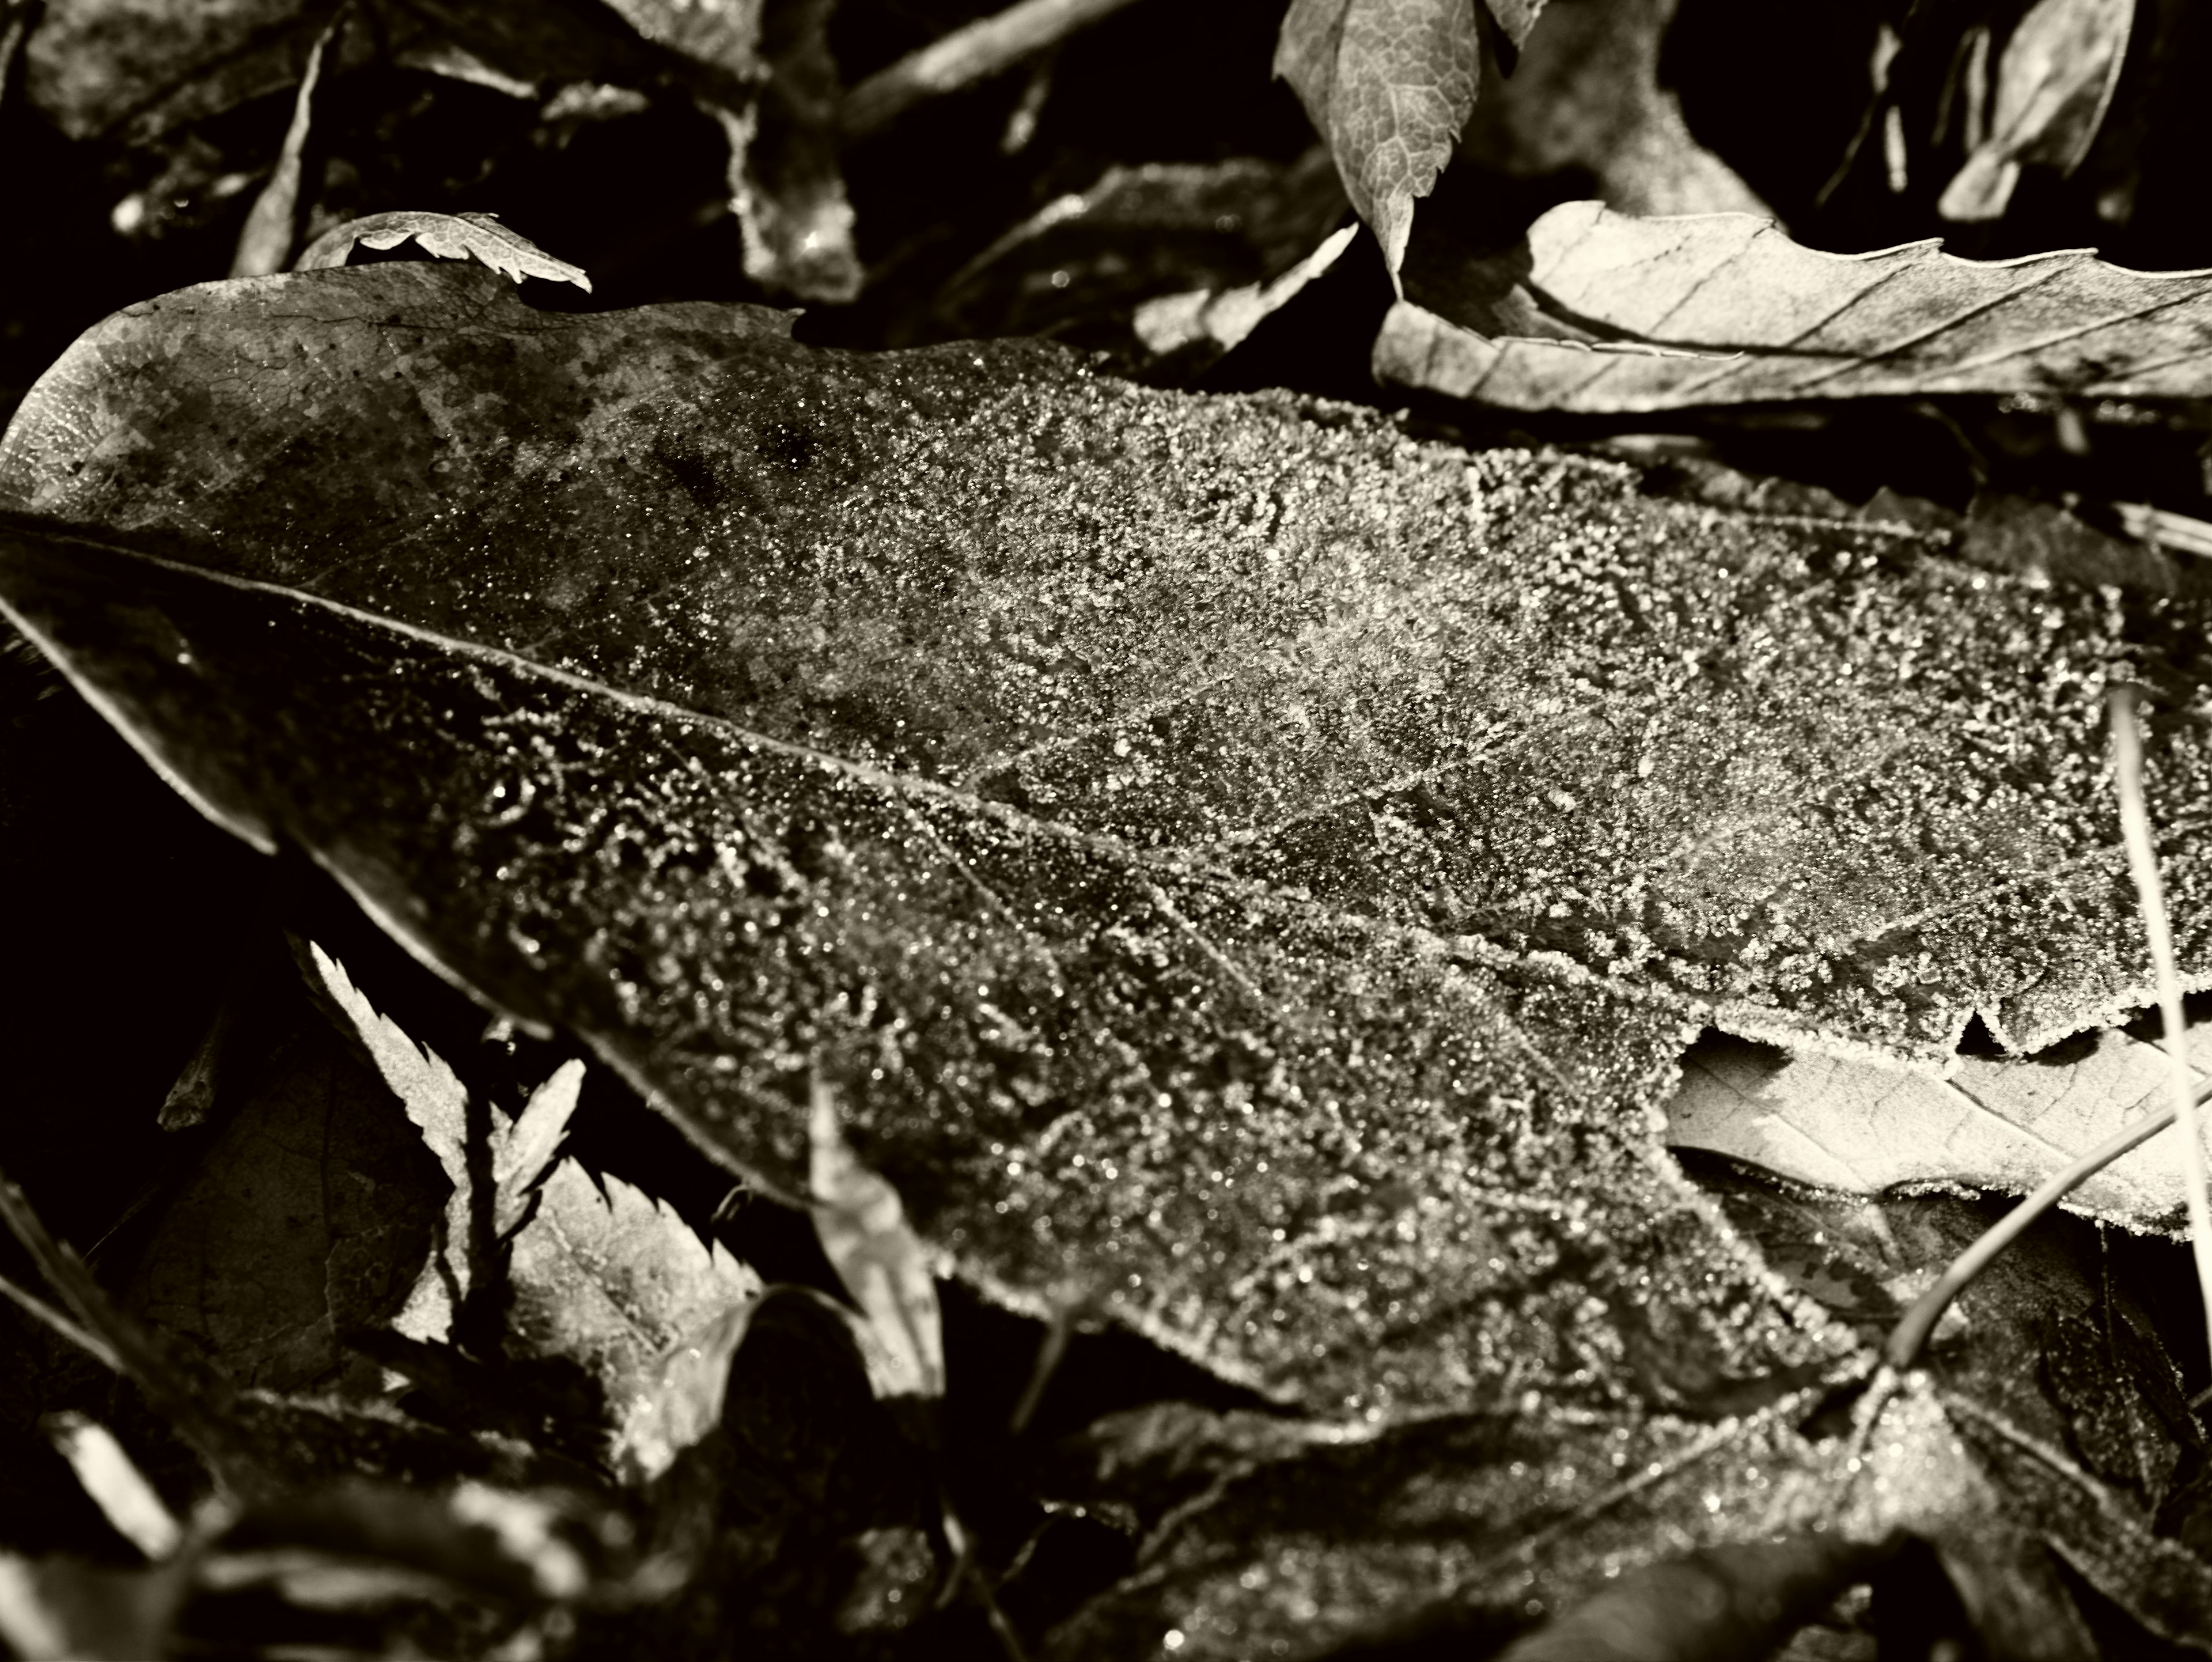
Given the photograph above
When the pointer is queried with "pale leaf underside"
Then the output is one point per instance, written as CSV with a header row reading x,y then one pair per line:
x,y
1724,308
479,237
1997,1123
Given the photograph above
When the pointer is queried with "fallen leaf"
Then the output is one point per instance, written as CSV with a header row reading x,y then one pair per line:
x,y
1389,83
449,236
1609,313
1586,97
1219,322
1142,237
1995,1123
272,223
1252,874
308,1214
600,1274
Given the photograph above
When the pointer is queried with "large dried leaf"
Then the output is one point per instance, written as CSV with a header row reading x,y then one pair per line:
x,y
1597,311
1389,83
1246,874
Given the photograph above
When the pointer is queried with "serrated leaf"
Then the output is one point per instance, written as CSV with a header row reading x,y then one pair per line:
x,y
1389,83
479,237
603,1276
1598,311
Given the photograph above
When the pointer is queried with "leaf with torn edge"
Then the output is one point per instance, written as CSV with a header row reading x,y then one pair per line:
x,y
1250,874
607,1277
1389,83
1997,1123
479,237
1598,311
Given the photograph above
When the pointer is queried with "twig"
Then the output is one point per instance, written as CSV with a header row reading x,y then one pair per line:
x,y
2143,860
982,50
1910,1336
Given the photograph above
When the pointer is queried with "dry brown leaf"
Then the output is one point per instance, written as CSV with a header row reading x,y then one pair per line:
x,y
2054,82
1601,311
449,236
877,1255
2000,1124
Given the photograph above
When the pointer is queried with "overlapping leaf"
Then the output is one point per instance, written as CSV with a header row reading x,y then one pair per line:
x,y
1993,1124
1246,872
1598,311
609,1279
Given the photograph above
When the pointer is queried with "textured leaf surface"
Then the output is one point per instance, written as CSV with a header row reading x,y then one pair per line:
x,y
306,1216
1993,1123
1601,311
1389,83
1246,875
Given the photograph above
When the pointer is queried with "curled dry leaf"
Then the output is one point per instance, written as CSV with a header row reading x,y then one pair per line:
x,y
1598,311
2054,82
449,236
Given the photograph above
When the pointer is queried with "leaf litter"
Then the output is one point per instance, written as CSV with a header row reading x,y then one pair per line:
x,y
1162,1016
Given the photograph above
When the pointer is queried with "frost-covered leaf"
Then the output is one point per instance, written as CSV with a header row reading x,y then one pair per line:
x,y
601,1275
449,236
1389,83
1999,1124
1250,874
1598,311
